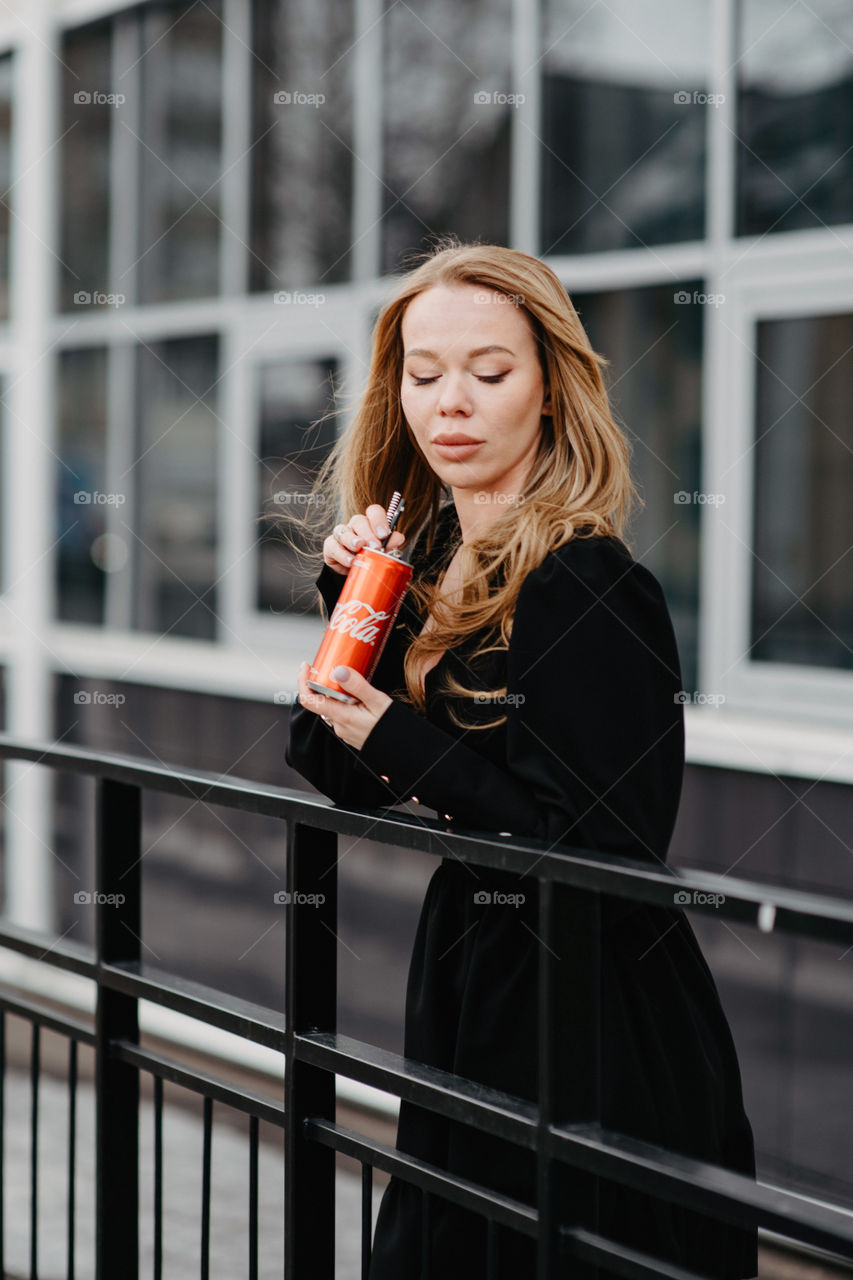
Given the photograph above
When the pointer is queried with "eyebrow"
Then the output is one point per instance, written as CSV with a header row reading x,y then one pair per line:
x,y
478,351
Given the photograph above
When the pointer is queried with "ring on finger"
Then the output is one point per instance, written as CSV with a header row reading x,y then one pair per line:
x,y
326,720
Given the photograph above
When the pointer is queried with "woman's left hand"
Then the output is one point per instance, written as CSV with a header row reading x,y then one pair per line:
x,y
351,721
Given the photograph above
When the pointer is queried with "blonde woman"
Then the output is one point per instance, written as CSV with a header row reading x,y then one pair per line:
x,y
530,685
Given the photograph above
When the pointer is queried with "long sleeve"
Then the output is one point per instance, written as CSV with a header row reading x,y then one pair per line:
x,y
315,751
595,732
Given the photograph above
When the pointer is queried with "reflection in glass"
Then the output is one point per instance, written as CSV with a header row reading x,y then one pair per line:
x,y
82,485
174,474
302,158
446,124
180,161
623,123
795,118
85,164
653,340
802,608
293,395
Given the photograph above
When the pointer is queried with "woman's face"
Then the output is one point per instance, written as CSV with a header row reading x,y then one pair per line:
x,y
471,372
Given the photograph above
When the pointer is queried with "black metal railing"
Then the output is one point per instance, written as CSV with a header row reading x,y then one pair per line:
x,y
573,1152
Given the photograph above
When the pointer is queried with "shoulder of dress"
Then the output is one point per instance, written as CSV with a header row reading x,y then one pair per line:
x,y
594,565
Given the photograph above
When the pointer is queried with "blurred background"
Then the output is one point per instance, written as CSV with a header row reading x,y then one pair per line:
x,y
203,206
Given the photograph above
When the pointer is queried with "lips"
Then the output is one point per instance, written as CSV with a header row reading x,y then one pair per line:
x,y
455,437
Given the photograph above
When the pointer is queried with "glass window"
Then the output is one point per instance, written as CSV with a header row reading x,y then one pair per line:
x,y
82,483
802,607
302,133
294,394
446,124
625,97
795,116
180,162
653,340
174,477
85,164
6,178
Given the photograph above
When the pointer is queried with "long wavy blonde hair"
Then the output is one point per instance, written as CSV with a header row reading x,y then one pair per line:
x,y
580,478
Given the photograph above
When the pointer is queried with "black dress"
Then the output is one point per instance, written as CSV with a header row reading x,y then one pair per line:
x,y
592,754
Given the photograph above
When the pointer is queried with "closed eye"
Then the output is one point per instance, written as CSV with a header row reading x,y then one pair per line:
x,y
494,377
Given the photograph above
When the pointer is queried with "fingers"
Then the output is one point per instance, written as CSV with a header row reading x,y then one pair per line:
x,y
308,698
362,531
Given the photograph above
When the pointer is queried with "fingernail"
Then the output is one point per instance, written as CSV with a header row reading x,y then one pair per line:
x,y
375,545
383,531
340,673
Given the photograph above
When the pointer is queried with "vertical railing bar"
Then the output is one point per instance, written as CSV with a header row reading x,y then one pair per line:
x,y
569,1061
158,1178
491,1250
35,1063
72,1150
366,1218
205,1190
311,972
253,1198
426,1251
118,925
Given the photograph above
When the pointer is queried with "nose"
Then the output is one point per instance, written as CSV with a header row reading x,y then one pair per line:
x,y
454,398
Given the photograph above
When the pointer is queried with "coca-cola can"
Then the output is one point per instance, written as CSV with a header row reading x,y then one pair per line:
x,y
361,620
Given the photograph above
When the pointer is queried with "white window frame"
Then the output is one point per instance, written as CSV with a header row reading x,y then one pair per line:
x,y
785,278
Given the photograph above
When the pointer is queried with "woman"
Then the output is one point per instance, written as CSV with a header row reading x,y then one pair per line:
x,y
530,686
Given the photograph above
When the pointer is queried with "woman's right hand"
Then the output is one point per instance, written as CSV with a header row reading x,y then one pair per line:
x,y
361,531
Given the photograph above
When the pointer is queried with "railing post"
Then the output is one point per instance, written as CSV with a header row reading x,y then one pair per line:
x,y
569,1062
117,932
311,978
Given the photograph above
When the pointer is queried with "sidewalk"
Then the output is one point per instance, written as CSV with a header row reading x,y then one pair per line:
x,y
182,1154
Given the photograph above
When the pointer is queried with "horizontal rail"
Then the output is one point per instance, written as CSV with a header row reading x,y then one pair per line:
x,y
11,1001
209,1086
707,1188
492,1204
449,1095
587,1246
784,910
242,1018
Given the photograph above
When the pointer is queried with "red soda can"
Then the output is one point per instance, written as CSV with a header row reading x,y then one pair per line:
x,y
361,620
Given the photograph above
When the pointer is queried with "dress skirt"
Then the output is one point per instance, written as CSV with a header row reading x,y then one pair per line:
x,y
670,1075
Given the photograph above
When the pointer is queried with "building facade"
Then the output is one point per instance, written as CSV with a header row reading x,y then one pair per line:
x,y
204,202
